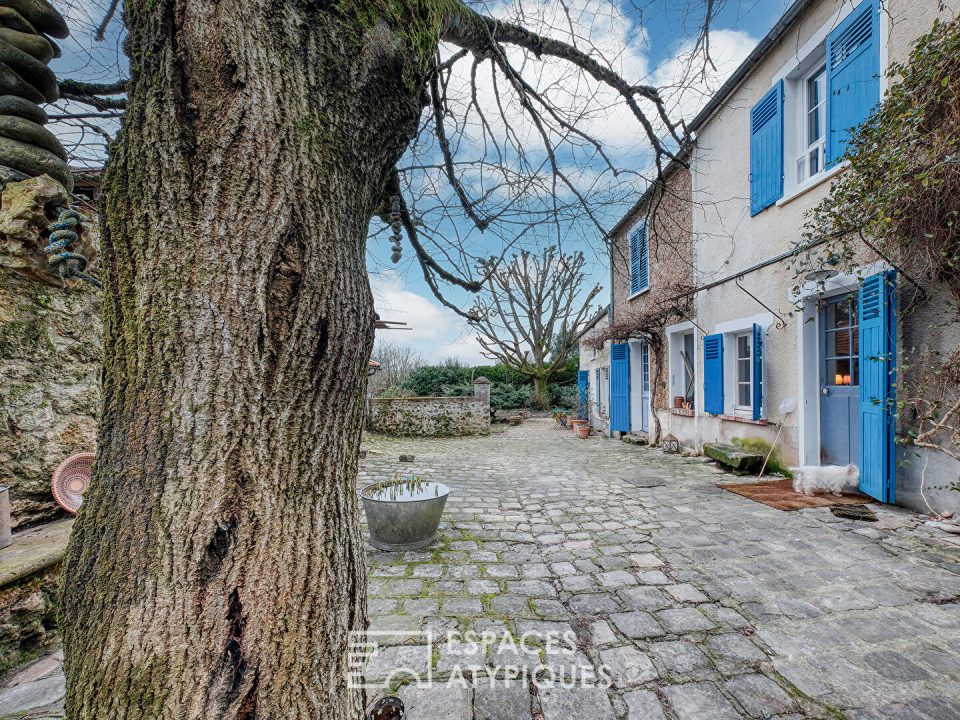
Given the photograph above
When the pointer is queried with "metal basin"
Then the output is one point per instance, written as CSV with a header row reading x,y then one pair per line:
x,y
404,518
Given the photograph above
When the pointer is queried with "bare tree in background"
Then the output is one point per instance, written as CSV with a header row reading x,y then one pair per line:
x,y
217,568
532,314
397,361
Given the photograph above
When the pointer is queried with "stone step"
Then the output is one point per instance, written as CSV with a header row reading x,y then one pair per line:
x,y
737,459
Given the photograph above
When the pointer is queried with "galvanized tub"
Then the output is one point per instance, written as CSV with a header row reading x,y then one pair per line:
x,y
403,518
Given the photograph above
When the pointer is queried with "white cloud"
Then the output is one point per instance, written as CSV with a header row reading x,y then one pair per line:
x,y
436,332
466,349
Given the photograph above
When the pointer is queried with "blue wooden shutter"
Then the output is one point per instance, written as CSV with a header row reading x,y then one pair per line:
x,y
713,374
597,383
758,379
766,150
853,75
877,357
620,387
639,260
583,382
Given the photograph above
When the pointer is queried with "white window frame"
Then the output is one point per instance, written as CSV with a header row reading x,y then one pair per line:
x,y
730,329
804,145
606,385
738,382
677,368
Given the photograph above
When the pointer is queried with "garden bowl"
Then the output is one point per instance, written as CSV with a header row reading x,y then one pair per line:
x,y
401,517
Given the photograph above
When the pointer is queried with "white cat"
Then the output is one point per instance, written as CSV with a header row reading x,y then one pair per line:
x,y
826,478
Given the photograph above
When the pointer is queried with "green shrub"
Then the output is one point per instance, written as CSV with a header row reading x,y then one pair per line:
x,y
395,391
507,396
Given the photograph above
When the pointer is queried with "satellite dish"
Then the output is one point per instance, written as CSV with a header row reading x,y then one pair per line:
x,y
788,406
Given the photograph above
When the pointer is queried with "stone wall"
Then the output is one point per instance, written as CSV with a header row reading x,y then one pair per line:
x,y
30,591
50,349
430,416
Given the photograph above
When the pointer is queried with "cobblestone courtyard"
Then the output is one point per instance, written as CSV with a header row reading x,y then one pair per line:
x,y
702,604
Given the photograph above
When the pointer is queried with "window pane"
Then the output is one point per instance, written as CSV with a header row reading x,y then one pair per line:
x,y
838,343
839,373
743,346
814,158
815,106
813,126
838,315
743,395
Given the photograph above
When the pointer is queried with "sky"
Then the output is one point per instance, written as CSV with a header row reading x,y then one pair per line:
x,y
645,41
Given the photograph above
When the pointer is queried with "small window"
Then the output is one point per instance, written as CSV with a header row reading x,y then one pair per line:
x,y
682,375
744,372
812,160
842,336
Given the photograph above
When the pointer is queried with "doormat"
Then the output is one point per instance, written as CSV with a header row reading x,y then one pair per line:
x,y
780,495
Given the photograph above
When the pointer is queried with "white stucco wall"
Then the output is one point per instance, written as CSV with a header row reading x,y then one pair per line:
x,y
591,360
726,239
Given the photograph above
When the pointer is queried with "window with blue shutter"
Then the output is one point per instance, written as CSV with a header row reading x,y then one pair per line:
x,y
639,260
853,75
766,150
878,360
620,387
713,374
758,379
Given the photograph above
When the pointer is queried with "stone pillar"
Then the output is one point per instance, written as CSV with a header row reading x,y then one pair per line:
x,y
481,389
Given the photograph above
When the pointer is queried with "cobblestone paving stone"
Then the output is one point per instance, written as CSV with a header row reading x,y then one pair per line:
x,y
702,605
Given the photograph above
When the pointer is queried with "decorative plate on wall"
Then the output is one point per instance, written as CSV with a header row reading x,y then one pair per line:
x,y
70,480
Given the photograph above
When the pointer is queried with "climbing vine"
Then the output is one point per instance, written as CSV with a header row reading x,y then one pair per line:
x,y
899,199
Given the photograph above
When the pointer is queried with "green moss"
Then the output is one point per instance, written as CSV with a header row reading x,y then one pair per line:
x,y
24,338
762,447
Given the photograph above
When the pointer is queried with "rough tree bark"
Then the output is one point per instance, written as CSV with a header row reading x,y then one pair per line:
x,y
217,567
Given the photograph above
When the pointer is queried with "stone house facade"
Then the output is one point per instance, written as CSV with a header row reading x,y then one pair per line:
x,y
651,279
803,362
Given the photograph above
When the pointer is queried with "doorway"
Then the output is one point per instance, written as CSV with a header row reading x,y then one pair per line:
x,y
839,381
645,387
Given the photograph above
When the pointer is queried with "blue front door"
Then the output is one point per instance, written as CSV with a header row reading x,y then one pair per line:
x,y
620,388
839,382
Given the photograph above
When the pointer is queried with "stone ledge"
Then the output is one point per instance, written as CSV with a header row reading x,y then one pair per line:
x,y
683,412
34,551
743,419
734,458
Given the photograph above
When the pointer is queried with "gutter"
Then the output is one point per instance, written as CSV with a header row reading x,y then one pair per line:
x,y
753,59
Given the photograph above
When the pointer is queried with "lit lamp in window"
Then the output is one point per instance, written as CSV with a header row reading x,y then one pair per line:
x,y
838,379
846,379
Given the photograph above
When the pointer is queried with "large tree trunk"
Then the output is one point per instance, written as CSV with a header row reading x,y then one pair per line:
x,y
217,567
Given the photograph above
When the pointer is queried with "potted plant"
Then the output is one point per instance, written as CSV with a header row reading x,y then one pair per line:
x,y
583,430
403,513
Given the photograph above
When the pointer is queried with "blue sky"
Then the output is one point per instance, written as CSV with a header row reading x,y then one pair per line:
x,y
644,40
655,40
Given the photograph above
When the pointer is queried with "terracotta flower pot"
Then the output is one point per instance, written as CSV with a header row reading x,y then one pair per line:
x,y
574,424
583,431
